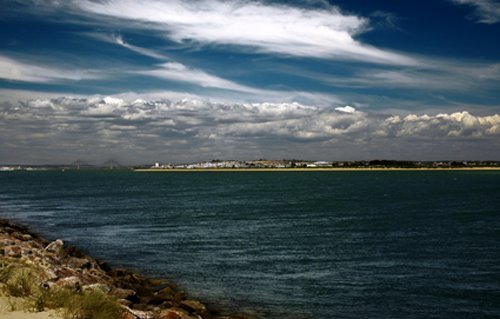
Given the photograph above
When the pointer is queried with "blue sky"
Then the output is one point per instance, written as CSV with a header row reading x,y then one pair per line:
x,y
172,81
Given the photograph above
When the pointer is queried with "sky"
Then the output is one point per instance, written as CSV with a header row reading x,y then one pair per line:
x,y
144,81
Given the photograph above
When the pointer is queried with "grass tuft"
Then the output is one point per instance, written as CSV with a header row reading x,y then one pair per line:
x,y
6,272
21,283
92,304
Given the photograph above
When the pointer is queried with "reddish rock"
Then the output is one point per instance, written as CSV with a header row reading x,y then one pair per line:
x,y
72,282
166,294
168,314
128,315
142,298
194,306
175,313
155,282
13,251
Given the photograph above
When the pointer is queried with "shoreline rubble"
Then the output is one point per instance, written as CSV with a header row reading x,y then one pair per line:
x,y
68,267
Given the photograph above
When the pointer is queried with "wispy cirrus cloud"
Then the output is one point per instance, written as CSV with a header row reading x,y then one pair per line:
x,y
17,70
277,28
486,11
179,72
118,39
173,70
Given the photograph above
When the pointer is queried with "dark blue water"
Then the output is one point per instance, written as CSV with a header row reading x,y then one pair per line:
x,y
286,244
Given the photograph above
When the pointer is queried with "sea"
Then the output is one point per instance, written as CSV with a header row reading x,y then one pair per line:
x,y
287,245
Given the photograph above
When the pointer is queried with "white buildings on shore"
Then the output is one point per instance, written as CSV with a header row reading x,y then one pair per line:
x,y
243,164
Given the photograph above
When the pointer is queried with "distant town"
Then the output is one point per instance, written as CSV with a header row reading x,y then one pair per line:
x,y
260,164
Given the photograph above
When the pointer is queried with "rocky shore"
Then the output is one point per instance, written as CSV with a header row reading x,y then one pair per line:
x,y
54,267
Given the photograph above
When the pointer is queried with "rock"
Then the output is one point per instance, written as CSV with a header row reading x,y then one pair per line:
x,y
46,273
72,282
118,272
168,304
21,236
169,314
13,251
59,267
180,296
139,313
97,287
7,242
63,272
194,306
79,262
141,307
144,300
166,291
175,313
121,293
128,315
96,274
133,278
166,294
55,247
155,282
104,265
125,302
75,252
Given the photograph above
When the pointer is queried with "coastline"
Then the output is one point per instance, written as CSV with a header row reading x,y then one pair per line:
x,y
46,268
318,169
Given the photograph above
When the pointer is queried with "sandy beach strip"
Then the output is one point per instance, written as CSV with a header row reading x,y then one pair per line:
x,y
6,313
319,169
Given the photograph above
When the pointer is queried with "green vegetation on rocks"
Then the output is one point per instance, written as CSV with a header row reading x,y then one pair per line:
x,y
37,275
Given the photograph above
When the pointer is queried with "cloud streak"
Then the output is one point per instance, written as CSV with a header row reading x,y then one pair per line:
x,y
283,29
179,72
13,69
486,11
150,53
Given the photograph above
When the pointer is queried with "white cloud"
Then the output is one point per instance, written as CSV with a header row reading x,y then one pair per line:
x,y
147,52
287,119
487,11
12,96
277,28
437,75
12,69
195,127
458,124
346,109
105,107
179,72
175,71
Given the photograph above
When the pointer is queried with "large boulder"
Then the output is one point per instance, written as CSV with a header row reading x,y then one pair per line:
x,y
55,247
194,306
72,282
176,313
121,293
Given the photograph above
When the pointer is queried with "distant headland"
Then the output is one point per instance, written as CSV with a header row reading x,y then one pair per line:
x,y
269,165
